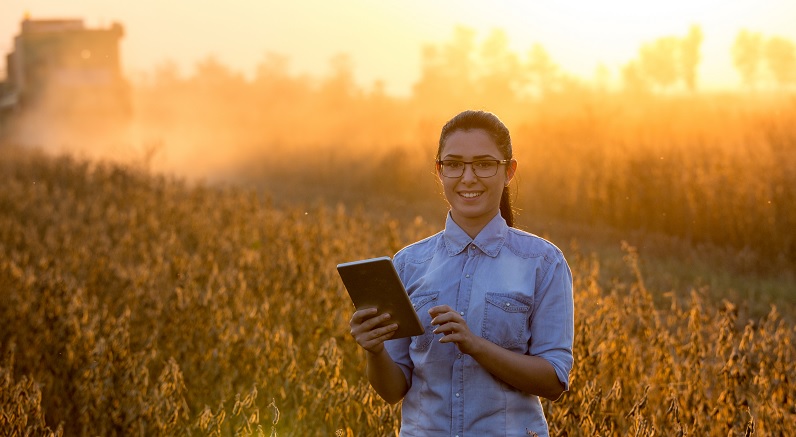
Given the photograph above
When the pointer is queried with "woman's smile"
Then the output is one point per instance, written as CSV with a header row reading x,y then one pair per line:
x,y
470,194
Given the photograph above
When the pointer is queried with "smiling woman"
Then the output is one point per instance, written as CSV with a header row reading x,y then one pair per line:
x,y
496,304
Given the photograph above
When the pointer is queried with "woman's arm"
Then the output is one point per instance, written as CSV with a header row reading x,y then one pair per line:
x,y
384,375
530,374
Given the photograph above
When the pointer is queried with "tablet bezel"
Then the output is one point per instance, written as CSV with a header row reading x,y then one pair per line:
x,y
374,283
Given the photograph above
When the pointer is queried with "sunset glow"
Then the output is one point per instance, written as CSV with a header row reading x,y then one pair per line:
x,y
384,39
178,180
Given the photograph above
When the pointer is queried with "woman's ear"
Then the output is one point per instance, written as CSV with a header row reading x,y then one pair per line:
x,y
511,168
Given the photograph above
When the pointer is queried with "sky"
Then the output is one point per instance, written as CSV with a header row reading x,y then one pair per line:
x,y
384,37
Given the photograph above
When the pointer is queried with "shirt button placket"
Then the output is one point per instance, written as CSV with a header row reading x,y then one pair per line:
x,y
458,371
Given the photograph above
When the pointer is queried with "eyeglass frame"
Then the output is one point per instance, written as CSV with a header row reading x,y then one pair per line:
x,y
440,164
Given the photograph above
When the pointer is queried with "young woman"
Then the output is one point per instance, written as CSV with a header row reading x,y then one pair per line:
x,y
496,303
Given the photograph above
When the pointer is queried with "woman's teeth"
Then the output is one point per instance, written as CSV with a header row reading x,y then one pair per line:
x,y
470,195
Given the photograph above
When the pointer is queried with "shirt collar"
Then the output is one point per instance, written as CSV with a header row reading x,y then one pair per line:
x,y
489,240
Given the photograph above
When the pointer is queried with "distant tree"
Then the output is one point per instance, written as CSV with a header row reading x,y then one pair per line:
x,y
160,97
432,87
276,89
689,56
602,77
167,75
275,66
747,56
542,71
659,61
446,73
665,62
634,81
501,78
212,74
340,87
780,56
214,84
458,57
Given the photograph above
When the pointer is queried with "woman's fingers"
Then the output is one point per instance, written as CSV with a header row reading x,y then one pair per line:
x,y
447,328
452,326
365,320
373,322
444,314
385,331
360,316
366,329
439,309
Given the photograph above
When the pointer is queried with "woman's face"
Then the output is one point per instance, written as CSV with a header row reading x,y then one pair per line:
x,y
474,200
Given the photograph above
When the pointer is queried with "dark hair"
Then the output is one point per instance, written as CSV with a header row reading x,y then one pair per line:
x,y
491,124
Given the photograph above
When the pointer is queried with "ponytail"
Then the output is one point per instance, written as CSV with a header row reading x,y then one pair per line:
x,y
505,207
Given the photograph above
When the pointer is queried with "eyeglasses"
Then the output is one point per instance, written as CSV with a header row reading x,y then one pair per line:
x,y
483,168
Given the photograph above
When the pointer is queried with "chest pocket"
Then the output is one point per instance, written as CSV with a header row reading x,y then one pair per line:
x,y
422,301
506,319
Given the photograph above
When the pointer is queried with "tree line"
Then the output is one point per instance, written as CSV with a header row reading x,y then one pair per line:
x,y
656,154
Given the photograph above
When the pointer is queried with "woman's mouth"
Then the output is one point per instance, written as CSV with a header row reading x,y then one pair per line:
x,y
470,194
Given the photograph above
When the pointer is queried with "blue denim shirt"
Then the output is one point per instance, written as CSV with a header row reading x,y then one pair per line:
x,y
514,289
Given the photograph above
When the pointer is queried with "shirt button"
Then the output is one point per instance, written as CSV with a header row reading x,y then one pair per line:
x,y
457,395
466,276
458,356
462,313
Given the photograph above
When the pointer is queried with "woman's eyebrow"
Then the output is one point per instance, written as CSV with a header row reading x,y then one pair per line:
x,y
474,157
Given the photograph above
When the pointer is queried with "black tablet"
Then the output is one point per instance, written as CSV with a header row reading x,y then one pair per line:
x,y
374,283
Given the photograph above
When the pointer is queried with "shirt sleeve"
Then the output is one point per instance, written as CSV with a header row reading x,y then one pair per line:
x,y
399,352
553,321
399,348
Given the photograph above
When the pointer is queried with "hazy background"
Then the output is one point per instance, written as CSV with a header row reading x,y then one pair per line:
x,y
384,38
672,118
391,57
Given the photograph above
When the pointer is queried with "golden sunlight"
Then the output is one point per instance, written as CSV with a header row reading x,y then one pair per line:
x,y
384,39
179,179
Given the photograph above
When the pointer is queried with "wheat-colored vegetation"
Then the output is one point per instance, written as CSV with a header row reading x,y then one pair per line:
x,y
133,302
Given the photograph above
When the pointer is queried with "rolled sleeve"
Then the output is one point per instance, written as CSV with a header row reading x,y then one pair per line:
x,y
399,352
553,321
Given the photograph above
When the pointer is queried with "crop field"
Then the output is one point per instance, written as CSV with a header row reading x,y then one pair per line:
x,y
135,303
187,287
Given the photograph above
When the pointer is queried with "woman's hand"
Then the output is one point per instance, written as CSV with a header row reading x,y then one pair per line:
x,y
366,331
454,329
530,374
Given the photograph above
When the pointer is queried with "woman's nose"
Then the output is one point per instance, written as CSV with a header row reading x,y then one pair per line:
x,y
469,173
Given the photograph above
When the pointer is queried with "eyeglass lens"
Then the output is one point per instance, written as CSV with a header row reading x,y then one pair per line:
x,y
482,168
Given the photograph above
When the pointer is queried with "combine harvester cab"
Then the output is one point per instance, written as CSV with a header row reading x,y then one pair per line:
x,y
62,75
